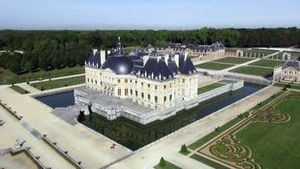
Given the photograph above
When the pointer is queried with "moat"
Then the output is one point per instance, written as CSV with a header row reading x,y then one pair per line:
x,y
134,135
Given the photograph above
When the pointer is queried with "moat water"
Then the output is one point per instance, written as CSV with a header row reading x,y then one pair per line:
x,y
63,99
134,135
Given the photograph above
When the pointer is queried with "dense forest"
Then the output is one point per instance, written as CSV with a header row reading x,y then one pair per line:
x,y
57,49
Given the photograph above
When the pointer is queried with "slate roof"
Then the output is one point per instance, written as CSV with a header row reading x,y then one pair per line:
x,y
156,67
93,60
119,64
292,63
186,66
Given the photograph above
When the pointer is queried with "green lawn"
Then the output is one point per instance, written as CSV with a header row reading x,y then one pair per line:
x,y
214,66
233,60
209,87
8,77
268,63
19,89
292,85
213,134
294,54
229,124
274,145
207,162
167,166
59,83
250,70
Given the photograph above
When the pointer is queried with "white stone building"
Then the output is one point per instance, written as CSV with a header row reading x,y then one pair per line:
x,y
156,82
291,71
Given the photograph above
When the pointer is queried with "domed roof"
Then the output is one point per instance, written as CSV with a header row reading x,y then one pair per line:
x,y
119,64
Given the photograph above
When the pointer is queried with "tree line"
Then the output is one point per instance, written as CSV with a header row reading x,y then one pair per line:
x,y
57,49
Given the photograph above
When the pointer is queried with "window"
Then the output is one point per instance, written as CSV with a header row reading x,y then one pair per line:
x,y
142,95
130,81
96,81
136,93
155,99
170,97
130,91
125,80
165,86
149,97
142,83
165,98
126,92
119,92
88,80
148,85
155,87
119,81
183,80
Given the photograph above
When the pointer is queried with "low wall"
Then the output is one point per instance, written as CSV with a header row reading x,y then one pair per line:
x,y
56,91
151,116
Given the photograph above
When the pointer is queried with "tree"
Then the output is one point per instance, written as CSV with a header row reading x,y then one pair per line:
x,y
14,63
184,149
162,162
81,116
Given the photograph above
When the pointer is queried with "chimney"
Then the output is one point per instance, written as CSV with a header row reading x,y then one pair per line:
x,y
102,56
94,51
177,59
166,58
145,59
185,55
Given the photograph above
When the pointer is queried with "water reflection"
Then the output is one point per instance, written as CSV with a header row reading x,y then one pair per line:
x,y
134,135
64,99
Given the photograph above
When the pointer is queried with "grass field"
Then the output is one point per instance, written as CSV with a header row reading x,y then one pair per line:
x,y
250,70
209,87
214,66
295,54
207,162
59,83
213,134
229,124
8,77
276,145
167,166
268,63
233,60
292,85
19,89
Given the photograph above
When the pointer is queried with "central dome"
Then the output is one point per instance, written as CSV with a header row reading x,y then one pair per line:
x,y
120,65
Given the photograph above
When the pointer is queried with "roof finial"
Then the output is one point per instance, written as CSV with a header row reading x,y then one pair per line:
x,y
119,46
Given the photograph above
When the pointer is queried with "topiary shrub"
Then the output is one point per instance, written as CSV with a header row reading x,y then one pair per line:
x,y
162,162
184,149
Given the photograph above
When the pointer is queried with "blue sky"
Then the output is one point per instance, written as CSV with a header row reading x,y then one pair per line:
x,y
147,14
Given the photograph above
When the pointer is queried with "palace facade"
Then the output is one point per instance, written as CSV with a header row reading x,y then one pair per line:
x,y
153,80
291,71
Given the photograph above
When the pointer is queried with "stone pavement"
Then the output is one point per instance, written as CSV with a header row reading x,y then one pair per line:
x,y
83,145
27,87
169,146
13,130
57,78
